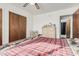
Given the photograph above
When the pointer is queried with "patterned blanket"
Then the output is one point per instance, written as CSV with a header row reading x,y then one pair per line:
x,y
40,46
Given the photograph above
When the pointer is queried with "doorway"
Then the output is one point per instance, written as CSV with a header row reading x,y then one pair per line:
x,y
65,26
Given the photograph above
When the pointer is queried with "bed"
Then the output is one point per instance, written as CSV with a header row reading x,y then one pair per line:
x,y
45,45
41,46
49,30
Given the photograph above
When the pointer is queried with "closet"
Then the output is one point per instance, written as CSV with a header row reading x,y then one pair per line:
x,y
76,24
22,27
0,26
17,27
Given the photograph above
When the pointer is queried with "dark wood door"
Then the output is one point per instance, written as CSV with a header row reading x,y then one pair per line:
x,y
14,29
22,27
17,27
0,26
76,24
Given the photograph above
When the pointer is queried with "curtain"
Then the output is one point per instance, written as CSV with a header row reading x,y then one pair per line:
x,y
68,27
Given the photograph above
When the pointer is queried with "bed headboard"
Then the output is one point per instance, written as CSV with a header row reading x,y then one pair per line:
x,y
49,30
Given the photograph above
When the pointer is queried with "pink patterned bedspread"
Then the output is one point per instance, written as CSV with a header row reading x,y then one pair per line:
x,y
40,46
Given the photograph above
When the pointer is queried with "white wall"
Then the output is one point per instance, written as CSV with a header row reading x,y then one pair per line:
x,y
5,20
53,17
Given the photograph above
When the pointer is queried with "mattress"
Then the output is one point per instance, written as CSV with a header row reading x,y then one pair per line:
x,y
41,46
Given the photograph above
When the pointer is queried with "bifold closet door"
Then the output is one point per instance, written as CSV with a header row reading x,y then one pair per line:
x,y
22,27
0,26
13,24
17,25
76,24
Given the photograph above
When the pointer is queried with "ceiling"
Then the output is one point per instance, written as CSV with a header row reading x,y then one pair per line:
x,y
45,7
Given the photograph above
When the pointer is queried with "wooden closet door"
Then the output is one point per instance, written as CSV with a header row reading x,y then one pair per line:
x,y
76,24
13,27
0,26
22,27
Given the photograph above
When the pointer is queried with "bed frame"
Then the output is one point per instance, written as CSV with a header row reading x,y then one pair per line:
x,y
49,30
